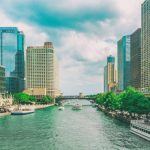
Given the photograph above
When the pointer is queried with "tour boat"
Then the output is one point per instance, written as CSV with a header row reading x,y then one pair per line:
x,y
94,105
22,111
77,107
141,128
61,108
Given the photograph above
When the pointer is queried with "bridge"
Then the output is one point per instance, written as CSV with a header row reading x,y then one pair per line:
x,y
74,97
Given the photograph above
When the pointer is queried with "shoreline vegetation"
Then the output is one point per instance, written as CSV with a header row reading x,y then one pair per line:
x,y
34,106
128,105
28,101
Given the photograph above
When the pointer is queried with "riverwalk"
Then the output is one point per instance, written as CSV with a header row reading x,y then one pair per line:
x,y
27,106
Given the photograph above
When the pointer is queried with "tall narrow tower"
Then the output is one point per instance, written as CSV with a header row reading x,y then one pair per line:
x,y
109,74
136,59
12,58
145,52
124,72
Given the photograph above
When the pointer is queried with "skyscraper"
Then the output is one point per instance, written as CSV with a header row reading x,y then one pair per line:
x,y
2,80
136,59
12,57
124,72
109,74
145,52
105,79
42,69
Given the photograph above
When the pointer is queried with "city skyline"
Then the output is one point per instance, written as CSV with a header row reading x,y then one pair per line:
x,y
82,43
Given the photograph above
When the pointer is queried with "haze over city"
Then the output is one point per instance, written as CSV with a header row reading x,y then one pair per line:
x,y
84,33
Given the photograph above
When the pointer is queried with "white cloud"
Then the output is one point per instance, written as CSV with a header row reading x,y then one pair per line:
x,y
81,51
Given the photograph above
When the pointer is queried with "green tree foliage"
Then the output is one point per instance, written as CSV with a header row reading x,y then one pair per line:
x,y
47,100
134,101
23,98
130,100
58,99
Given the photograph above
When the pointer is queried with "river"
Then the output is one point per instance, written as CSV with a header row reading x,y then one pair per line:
x,y
51,129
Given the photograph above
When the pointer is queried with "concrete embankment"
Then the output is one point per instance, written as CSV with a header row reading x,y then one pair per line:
x,y
4,114
42,106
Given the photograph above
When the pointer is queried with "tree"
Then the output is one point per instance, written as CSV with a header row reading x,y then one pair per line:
x,y
47,99
23,98
130,100
134,101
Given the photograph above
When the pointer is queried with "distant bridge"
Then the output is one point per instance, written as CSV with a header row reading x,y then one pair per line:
x,y
74,97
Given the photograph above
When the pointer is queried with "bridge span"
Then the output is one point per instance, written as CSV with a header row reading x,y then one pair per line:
x,y
74,97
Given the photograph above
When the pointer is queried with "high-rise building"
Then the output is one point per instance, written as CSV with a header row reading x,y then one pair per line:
x,y
124,72
12,57
105,79
109,74
145,52
42,69
2,80
136,59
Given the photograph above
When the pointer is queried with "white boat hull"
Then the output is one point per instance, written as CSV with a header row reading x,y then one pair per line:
x,y
140,128
140,134
22,112
61,108
77,107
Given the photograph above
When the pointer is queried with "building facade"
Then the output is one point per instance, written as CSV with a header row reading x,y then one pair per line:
x,y
105,79
145,52
12,57
110,74
124,62
42,69
2,80
136,59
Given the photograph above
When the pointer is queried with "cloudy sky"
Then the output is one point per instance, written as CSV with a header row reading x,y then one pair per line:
x,y
84,33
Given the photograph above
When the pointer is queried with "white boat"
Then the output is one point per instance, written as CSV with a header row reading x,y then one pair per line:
x,y
22,111
77,107
141,128
61,108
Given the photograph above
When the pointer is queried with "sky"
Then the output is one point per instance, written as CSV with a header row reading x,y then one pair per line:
x,y
84,33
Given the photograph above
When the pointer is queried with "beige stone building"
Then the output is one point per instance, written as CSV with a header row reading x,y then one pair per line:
x,y
110,75
37,92
145,52
42,69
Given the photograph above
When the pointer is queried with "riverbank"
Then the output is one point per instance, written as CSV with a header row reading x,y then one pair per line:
x,y
36,107
42,106
120,115
4,114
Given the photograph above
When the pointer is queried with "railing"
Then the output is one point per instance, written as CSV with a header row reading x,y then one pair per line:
x,y
141,124
74,97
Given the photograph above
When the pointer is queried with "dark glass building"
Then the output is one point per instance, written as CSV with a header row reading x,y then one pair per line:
x,y
124,65
12,57
136,59
2,80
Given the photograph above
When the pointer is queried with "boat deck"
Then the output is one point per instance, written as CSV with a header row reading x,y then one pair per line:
x,y
141,124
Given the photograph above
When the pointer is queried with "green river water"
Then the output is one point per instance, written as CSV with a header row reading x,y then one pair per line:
x,y
51,129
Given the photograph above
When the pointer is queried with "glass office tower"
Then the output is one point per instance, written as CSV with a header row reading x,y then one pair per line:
x,y
12,57
124,72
